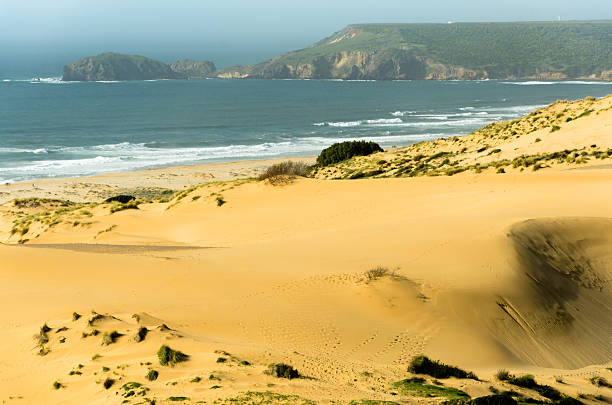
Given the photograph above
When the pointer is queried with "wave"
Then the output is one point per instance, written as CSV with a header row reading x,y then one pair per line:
x,y
402,113
127,156
547,83
349,124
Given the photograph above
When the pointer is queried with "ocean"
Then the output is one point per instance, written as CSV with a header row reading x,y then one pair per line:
x,y
49,128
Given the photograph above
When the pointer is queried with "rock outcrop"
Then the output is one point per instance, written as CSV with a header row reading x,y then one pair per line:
x,y
193,69
118,67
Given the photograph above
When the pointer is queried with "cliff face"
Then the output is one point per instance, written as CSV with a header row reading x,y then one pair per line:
x,y
357,65
193,69
114,66
464,51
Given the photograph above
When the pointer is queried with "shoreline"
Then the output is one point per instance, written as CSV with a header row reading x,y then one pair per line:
x,y
101,186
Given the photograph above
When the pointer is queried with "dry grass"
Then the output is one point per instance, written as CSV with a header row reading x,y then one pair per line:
x,y
285,169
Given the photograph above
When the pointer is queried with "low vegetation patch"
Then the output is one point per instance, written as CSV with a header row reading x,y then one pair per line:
x,y
288,168
282,370
141,334
600,382
418,387
376,273
423,365
133,389
107,383
529,382
152,375
110,337
169,357
346,150
265,398
131,205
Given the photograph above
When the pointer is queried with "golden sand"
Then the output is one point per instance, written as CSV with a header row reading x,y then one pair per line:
x,y
484,271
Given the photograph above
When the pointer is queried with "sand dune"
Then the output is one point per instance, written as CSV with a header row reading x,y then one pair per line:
x,y
483,271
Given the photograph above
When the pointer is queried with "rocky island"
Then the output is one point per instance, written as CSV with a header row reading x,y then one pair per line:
x,y
112,66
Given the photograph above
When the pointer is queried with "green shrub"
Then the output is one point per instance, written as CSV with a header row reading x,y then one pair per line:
x,y
494,400
152,375
282,370
110,338
176,399
57,385
555,128
346,150
287,168
108,383
600,382
221,359
423,365
220,200
167,356
141,334
75,316
196,379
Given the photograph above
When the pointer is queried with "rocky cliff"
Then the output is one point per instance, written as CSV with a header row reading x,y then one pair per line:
x,y
193,69
114,66
465,51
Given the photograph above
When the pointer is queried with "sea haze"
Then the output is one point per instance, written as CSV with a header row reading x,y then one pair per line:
x,y
49,128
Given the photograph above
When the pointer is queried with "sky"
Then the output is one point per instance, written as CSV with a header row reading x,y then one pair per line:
x,y
40,36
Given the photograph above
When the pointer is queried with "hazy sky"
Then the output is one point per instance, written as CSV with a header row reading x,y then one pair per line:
x,y
37,33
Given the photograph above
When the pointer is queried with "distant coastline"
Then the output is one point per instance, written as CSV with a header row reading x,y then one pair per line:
x,y
536,51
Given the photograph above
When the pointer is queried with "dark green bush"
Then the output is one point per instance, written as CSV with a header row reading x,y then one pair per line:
x,y
423,365
346,150
282,370
110,338
108,383
494,400
141,334
167,356
152,375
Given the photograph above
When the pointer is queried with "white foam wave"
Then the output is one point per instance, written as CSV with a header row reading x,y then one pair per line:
x,y
402,113
547,83
128,156
384,121
47,80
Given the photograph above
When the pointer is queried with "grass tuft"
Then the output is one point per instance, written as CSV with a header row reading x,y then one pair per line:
x,y
169,357
110,337
287,168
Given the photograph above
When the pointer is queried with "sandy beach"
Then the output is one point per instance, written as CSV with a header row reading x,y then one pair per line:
x,y
479,268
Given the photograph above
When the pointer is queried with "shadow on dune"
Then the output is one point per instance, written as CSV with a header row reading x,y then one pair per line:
x,y
561,314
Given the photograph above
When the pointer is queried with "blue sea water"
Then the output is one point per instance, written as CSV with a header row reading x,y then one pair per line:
x,y
49,128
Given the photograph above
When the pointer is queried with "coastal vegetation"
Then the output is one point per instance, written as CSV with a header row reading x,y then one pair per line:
x,y
424,365
499,147
287,168
341,151
170,357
